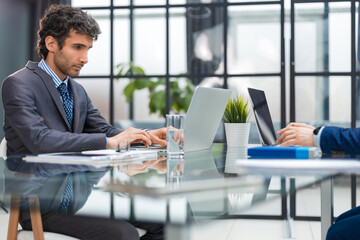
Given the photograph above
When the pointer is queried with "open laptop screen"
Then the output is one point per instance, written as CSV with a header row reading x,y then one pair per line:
x,y
262,116
204,116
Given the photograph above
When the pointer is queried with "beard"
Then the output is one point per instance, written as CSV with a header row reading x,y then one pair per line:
x,y
69,69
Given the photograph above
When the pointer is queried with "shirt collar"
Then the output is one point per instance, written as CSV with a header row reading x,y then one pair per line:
x,y
43,65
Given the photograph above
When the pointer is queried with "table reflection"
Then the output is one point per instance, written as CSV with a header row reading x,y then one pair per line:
x,y
233,154
143,166
47,181
183,188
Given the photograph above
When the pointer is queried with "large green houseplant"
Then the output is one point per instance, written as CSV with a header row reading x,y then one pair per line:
x,y
237,128
181,89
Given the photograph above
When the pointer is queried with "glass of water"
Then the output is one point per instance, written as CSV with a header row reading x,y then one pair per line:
x,y
175,135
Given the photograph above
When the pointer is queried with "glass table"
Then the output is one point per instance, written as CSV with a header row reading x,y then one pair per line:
x,y
202,186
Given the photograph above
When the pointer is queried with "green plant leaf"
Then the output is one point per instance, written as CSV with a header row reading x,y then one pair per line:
x,y
120,68
180,97
129,90
157,102
154,84
141,83
237,110
138,70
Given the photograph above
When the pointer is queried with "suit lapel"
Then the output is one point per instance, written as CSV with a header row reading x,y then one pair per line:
x,y
76,106
49,83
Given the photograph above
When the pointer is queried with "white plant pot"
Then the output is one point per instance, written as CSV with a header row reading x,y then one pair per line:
x,y
237,134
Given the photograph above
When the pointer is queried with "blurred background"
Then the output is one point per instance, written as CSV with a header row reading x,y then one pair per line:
x,y
303,54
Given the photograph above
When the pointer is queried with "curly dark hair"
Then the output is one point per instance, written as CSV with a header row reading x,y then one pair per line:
x,y
57,22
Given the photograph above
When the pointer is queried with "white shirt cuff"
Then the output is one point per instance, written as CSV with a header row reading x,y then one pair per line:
x,y
318,137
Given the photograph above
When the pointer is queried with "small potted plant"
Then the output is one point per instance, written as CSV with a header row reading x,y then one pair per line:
x,y
237,128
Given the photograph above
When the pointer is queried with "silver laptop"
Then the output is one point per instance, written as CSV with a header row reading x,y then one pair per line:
x,y
203,117
202,120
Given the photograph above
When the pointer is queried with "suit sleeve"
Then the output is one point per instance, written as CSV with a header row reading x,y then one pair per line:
x,y
335,139
26,127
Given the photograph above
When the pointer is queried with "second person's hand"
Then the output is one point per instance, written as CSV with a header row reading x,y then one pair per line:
x,y
296,134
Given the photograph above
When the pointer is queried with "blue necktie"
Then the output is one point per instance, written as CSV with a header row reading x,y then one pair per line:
x,y
68,197
68,103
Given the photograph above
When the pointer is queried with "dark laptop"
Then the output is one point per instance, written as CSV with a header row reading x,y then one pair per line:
x,y
262,116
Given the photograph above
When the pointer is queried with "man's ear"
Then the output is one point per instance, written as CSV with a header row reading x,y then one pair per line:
x,y
51,44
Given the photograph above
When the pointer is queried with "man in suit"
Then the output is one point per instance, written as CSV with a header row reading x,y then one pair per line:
x,y
328,139
36,120
45,110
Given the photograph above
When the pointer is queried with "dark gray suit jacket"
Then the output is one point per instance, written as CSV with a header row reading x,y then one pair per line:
x,y
35,120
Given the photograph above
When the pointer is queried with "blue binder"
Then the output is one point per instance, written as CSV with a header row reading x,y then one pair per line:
x,y
293,152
